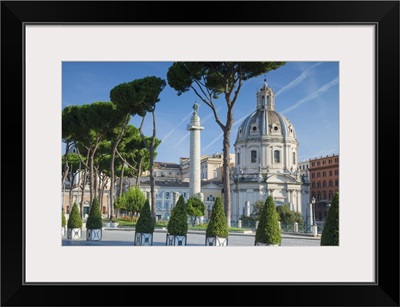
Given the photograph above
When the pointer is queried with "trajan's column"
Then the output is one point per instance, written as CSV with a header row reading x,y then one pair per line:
x,y
195,128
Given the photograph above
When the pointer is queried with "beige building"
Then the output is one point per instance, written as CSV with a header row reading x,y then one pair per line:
x,y
210,166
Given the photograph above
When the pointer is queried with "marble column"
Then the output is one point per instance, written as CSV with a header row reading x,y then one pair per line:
x,y
195,172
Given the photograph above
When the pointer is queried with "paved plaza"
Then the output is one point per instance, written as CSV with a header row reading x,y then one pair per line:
x,y
125,237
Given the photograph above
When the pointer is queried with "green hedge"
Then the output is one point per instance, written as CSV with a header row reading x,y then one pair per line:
x,y
63,219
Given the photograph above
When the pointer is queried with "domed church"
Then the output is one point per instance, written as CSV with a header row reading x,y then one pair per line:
x,y
266,150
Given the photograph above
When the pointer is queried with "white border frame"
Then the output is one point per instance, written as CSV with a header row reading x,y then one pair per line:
x,y
352,45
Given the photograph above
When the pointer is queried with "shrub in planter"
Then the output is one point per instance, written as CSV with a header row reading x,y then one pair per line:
x,y
330,233
268,231
74,223
177,226
145,226
63,223
94,223
217,228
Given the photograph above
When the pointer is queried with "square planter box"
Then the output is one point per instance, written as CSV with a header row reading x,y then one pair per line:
x,y
74,233
176,240
142,238
216,241
94,234
265,244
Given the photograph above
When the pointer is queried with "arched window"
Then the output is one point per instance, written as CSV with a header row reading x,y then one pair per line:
x,y
324,194
253,156
277,156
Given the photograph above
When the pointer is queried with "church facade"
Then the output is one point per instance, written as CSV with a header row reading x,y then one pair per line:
x,y
266,154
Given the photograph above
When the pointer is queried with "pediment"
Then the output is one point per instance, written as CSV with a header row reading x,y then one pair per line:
x,y
281,178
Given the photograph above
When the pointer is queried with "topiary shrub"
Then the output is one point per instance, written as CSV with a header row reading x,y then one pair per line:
x,y
63,219
178,224
330,233
94,220
75,220
268,231
217,226
195,208
145,223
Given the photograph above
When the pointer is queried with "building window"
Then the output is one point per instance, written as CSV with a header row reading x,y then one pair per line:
x,y
337,183
330,183
336,172
158,205
253,156
323,174
313,185
294,158
318,163
313,164
323,162
277,156
318,175
324,184
330,195
167,195
238,158
330,173
324,194
319,196
330,161
215,174
318,184
313,175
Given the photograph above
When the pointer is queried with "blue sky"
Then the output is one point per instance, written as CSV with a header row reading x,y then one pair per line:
x,y
307,93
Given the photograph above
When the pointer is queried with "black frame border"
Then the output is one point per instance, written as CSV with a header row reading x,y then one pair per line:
x,y
383,14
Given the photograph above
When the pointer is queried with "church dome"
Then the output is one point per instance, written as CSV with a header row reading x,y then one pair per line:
x,y
265,121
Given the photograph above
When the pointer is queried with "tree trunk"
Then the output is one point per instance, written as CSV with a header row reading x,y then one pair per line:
x,y
152,183
84,185
121,177
226,177
112,166
139,171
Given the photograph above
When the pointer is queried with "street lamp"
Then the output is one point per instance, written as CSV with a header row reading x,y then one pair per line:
x,y
313,203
